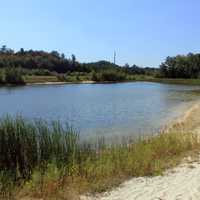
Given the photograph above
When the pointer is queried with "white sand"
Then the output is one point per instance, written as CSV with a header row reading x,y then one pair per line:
x,y
181,183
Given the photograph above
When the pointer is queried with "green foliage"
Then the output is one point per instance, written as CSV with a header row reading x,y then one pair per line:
x,y
112,76
25,145
62,77
108,75
14,76
181,66
39,72
45,63
94,76
11,75
2,76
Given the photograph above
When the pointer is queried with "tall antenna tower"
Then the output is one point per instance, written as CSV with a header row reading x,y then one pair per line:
x,y
114,57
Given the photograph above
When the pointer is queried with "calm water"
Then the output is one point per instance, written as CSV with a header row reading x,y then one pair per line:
x,y
108,109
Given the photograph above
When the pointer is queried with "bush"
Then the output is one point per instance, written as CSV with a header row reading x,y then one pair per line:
x,y
62,77
14,76
112,76
108,75
94,76
41,72
2,77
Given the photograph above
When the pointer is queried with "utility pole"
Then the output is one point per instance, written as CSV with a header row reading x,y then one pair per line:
x,y
114,57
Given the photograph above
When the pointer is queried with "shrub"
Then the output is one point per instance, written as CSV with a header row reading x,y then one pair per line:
x,y
112,76
62,77
14,76
2,76
108,75
41,72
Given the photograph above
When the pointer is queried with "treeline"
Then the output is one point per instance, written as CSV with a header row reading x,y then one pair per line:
x,y
15,65
37,60
181,66
43,63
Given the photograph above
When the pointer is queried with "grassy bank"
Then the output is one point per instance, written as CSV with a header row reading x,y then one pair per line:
x,y
19,76
48,161
40,79
74,78
165,80
176,81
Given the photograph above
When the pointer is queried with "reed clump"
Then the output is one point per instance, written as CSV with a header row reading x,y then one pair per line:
x,y
48,160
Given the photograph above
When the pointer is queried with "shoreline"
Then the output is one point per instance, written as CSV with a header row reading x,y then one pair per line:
x,y
60,83
179,182
152,80
187,122
192,82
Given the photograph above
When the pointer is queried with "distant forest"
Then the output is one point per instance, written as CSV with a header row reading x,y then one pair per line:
x,y
181,66
56,62
15,65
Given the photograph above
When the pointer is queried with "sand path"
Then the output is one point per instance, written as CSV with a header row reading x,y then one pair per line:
x,y
181,183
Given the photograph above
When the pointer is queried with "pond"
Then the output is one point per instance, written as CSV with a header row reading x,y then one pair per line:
x,y
101,109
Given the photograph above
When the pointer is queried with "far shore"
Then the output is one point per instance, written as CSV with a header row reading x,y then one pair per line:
x,y
54,81
60,83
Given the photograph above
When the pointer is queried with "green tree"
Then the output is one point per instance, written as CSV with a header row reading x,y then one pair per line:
x,y
14,76
1,76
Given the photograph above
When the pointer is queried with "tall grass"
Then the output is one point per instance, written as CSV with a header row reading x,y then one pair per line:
x,y
48,160
25,145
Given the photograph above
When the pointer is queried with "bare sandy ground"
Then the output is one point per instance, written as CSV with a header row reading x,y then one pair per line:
x,y
181,183
61,83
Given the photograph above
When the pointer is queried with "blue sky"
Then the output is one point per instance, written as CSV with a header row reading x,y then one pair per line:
x,y
142,32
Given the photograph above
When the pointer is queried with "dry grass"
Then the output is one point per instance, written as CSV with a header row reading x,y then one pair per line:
x,y
40,79
112,166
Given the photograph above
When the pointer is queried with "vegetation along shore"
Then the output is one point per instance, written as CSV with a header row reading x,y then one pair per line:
x,y
30,66
181,181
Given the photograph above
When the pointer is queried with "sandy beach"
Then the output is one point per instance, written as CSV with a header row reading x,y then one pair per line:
x,y
180,183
